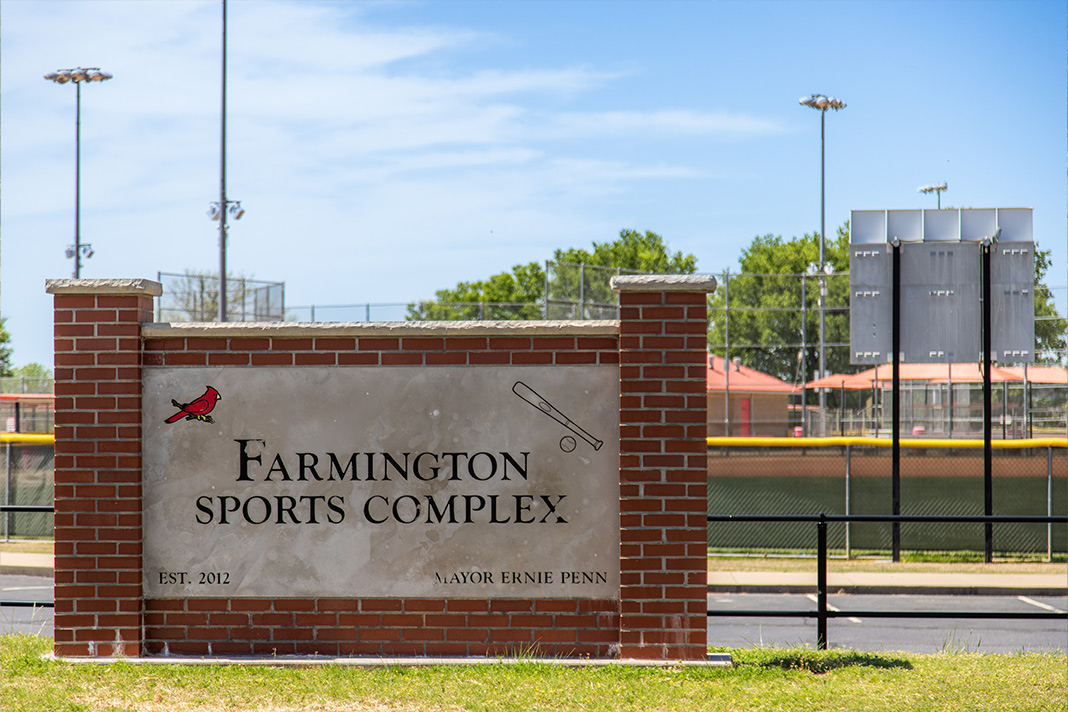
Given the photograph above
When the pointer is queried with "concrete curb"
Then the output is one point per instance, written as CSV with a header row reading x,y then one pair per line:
x,y
714,660
27,571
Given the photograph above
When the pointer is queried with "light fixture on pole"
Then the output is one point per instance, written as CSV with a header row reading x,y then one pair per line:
x,y
934,188
822,103
221,211
215,211
78,75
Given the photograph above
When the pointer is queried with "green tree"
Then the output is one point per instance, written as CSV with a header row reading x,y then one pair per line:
x,y
502,297
765,306
1050,327
580,282
32,378
5,349
646,253
520,294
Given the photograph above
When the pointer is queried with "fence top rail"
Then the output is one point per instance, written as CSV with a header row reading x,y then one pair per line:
x,y
28,438
858,441
900,518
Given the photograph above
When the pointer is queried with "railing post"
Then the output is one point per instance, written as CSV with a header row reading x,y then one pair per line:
x,y
821,583
1049,502
7,491
727,353
848,479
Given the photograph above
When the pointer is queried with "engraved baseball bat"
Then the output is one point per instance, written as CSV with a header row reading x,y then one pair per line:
x,y
531,396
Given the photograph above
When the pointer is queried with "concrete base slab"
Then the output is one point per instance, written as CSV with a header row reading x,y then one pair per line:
x,y
714,660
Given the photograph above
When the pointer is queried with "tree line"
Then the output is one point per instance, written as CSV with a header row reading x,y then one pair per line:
x,y
765,315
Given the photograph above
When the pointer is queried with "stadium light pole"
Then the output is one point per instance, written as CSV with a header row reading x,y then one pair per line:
x,y
78,75
222,180
934,188
219,210
822,103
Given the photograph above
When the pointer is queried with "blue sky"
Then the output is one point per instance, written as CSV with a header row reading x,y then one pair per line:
x,y
384,150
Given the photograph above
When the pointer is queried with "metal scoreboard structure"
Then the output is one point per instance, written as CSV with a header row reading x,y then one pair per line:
x,y
963,282
941,284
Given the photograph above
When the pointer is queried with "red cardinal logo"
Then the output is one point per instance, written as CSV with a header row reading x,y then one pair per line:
x,y
198,409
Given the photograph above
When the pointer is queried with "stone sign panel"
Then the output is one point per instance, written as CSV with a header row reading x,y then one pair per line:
x,y
443,482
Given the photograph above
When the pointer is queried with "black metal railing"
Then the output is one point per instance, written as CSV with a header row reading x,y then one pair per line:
x,y
822,612
15,508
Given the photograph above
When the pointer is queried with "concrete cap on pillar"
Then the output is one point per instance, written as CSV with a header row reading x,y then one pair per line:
x,y
664,283
145,287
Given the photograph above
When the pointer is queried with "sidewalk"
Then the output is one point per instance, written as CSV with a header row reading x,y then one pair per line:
x,y
956,584
16,564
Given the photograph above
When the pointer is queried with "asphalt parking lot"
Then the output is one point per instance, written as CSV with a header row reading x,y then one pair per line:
x,y
913,635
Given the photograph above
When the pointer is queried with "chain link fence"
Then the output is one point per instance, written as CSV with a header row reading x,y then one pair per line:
x,y
195,297
795,328
27,467
581,292
856,479
28,384
571,292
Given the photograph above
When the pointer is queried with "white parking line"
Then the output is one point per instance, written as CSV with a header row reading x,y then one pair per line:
x,y
851,619
1033,602
25,588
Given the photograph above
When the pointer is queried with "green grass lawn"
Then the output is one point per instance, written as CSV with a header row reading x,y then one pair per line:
x,y
28,546
762,679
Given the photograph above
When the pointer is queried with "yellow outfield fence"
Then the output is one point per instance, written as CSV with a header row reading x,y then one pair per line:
x,y
857,441
31,438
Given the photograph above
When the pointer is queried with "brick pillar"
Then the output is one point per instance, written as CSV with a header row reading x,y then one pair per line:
x,y
98,464
663,465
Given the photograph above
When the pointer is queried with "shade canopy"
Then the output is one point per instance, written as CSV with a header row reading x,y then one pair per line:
x,y
939,373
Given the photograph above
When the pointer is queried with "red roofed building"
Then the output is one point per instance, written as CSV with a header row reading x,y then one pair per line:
x,y
743,401
27,412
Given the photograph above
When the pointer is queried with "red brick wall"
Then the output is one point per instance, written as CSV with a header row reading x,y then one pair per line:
x,y
98,466
663,477
374,627
382,351
100,348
